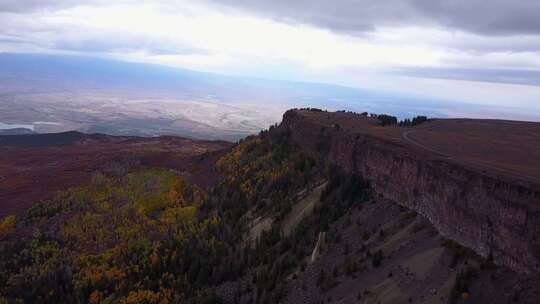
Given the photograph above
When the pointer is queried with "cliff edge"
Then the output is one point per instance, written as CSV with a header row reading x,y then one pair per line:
x,y
492,209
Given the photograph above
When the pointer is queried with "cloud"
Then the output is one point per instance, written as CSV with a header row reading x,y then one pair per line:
x,y
510,76
152,30
25,6
82,30
122,42
428,43
494,17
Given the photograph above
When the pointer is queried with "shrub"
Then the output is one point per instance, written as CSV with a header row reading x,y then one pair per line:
x,y
7,224
377,258
462,284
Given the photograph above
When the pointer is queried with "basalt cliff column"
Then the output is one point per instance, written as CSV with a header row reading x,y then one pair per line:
x,y
495,217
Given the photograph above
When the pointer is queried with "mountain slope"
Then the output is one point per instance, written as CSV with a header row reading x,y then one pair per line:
x,y
33,167
288,221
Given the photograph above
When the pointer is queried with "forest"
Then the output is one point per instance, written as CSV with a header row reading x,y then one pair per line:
x,y
153,236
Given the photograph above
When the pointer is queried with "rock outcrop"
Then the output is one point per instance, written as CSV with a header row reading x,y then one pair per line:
x,y
319,247
496,217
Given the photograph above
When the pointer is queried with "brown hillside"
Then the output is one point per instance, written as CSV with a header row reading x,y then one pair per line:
x,y
33,167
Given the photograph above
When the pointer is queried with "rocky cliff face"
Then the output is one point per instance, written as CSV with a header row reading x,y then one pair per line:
x,y
497,218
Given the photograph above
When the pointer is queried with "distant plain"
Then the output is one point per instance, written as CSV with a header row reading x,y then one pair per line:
x,y
45,93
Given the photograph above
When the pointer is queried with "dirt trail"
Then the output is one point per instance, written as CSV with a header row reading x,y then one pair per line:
x,y
406,137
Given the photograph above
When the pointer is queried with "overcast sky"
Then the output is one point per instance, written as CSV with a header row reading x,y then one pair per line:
x,y
468,50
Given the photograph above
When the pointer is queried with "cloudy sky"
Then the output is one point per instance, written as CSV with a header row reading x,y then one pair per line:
x,y
477,51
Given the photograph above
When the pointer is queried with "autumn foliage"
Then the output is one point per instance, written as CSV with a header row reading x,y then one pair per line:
x,y
152,236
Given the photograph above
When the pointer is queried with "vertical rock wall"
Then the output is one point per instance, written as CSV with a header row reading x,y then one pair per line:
x,y
493,217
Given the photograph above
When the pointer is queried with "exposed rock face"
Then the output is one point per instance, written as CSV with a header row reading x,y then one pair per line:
x,y
319,247
495,217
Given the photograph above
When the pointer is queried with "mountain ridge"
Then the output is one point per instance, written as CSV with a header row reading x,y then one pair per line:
x,y
493,215
326,206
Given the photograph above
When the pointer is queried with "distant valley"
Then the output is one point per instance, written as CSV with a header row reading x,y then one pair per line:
x,y
43,94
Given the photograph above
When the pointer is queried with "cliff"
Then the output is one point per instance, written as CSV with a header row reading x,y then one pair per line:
x,y
497,217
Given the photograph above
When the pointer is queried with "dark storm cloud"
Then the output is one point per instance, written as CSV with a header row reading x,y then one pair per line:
x,y
487,17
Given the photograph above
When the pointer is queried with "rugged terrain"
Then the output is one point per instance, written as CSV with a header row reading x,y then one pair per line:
x,y
323,208
476,181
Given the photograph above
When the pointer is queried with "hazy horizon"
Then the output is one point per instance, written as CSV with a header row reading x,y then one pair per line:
x,y
446,59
